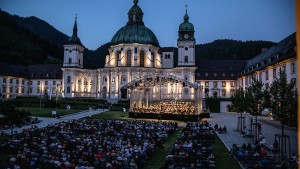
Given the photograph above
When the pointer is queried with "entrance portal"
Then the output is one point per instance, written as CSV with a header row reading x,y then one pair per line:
x,y
123,93
104,92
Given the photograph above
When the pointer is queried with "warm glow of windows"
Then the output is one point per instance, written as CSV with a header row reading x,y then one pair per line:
x,y
223,84
206,84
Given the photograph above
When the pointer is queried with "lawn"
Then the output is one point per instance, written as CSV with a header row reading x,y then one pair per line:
x,y
46,112
112,115
222,157
160,157
118,115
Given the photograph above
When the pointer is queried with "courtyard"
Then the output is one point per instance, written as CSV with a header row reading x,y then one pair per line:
x,y
226,140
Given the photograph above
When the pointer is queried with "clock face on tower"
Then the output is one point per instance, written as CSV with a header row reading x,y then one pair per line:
x,y
186,36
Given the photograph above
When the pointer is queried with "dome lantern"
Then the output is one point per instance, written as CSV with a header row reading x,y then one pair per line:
x,y
135,31
135,14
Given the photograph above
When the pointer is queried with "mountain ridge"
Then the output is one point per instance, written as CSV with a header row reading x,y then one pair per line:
x,y
45,41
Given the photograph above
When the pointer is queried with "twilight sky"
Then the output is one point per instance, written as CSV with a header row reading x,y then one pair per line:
x,y
99,20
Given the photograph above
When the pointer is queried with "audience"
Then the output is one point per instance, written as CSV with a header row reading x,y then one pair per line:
x,y
193,149
88,143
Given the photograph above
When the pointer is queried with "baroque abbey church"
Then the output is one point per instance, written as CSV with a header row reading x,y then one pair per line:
x,y
134,56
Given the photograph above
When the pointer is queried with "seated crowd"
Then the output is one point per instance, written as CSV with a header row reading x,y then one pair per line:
x,y
220,129
253,156
168,107
257,157
194,149
87,143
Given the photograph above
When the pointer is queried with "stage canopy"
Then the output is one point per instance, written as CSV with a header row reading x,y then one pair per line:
x,y
164,94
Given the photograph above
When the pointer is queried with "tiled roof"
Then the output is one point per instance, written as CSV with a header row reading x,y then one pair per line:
x,y
45,71
281,51
13,70
219,69
168,49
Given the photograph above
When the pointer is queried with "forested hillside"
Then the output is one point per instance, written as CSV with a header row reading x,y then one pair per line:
x,y
20,46
42,29
230,49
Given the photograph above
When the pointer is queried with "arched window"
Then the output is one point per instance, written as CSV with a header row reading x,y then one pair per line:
x,y
104,80
118,57
123,80
128,58
70,60
142,58
68,89
69,79
153,58
186,59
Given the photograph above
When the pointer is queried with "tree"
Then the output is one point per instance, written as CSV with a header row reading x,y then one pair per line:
x,y
266,97
12,116
283,102
256,96
240,100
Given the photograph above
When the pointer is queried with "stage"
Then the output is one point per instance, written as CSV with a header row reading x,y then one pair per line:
x,y
165,97
168,116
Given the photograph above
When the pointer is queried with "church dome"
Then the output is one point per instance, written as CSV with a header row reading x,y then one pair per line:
x,y
135,34
135,31
186,25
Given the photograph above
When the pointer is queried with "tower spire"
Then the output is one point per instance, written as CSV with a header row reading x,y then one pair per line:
x,y
135,2
75,26
74,39
186,16
186,8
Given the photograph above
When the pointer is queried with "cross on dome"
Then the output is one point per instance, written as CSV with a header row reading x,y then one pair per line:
x,y
186,16
186,8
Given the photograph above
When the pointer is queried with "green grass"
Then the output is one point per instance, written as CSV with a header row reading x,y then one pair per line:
x,y
222,157
160,157
109,115
46,112
112,115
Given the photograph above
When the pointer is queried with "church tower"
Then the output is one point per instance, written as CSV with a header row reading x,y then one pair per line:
x,y
73,50
186,43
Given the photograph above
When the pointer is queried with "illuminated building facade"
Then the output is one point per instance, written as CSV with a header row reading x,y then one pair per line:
x,y
134,55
